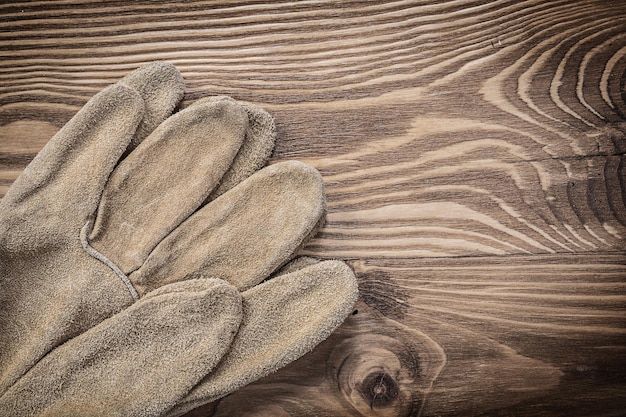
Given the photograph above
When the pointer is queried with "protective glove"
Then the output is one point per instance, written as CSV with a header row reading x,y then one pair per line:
x,y
135,252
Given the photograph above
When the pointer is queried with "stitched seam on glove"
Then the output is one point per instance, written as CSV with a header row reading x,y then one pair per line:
x,y
84,232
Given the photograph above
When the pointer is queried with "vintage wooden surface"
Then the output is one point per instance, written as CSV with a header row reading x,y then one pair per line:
x,y
473,154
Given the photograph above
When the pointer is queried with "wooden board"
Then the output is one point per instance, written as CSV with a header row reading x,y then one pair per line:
x,y
473,155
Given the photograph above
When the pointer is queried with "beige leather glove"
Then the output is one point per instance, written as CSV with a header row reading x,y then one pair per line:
x,y
135,251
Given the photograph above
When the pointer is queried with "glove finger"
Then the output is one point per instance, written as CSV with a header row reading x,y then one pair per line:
x,y
64,181
283,319
162,87
165,179
139,362
96,137
245,234
255,150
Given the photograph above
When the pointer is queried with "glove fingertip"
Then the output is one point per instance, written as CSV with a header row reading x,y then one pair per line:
x,y
162,87
283,319
256,148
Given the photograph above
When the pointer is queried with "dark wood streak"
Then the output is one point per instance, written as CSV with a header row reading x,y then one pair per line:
x,y
473,155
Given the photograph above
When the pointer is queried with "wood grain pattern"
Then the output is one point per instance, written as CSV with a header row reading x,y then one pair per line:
x,y
473,155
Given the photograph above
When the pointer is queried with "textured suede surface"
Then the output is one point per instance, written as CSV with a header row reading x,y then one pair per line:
x,y
174,206
51,290
283,318
165,179
161,87
245,234
111,369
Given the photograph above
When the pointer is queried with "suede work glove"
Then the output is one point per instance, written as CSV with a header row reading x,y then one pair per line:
x,y
139,253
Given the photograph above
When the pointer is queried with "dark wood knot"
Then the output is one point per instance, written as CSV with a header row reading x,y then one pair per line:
x,y
379,389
